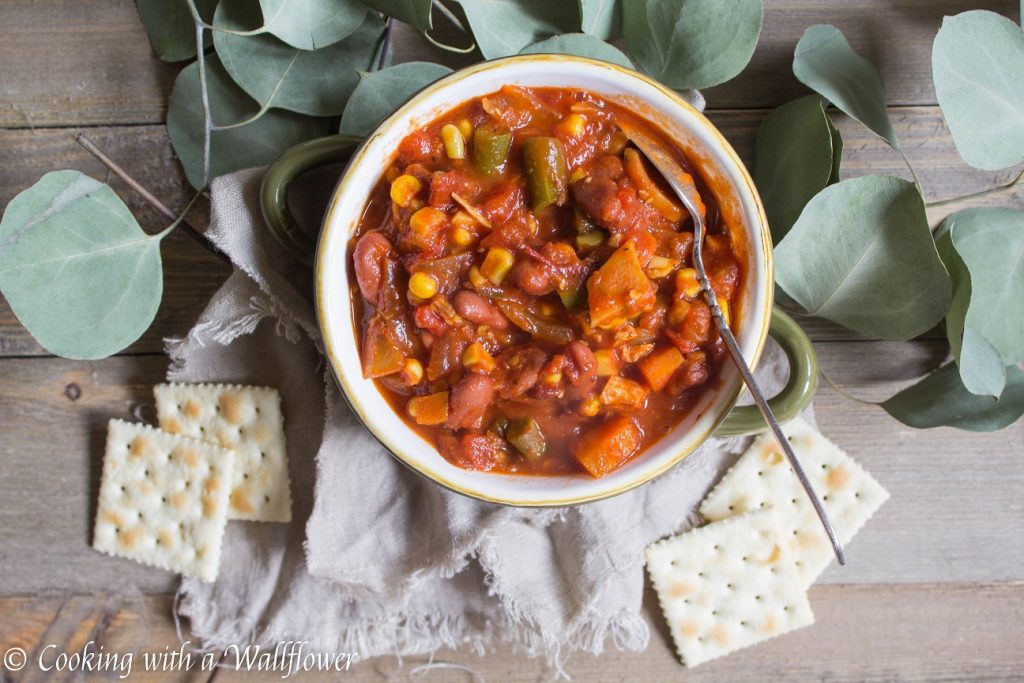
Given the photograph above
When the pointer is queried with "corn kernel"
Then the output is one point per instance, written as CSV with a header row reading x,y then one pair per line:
x,y
476,357
412,372
462,237
404,188
553,378
591,406
476,278
615,241
607,363
723,304
454,142
533,224
659,267
427,221
677,314
547,308
686,283
422,285
496,264
466,128
572,125
577,175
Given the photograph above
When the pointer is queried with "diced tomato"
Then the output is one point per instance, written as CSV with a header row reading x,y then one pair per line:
x,y
472,451
422,146
442,185
428,319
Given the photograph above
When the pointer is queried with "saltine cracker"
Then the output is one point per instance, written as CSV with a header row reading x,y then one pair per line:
x,y
247,420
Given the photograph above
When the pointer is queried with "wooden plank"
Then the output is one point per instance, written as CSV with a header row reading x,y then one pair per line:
x,y
955,497
191,275
89,63
908,633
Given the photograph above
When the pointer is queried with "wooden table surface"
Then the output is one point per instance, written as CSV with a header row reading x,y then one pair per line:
x,y
934,588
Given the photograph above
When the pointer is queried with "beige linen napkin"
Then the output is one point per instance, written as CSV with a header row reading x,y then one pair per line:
x,y
379,560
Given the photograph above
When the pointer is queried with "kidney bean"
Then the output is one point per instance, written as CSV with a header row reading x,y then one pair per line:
x,y
371,253
469,401
478,309
532,278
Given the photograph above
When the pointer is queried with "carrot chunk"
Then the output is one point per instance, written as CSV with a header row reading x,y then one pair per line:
x,y
606,447
659,366
431,409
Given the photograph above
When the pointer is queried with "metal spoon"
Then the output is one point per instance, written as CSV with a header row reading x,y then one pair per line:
x,y
687,194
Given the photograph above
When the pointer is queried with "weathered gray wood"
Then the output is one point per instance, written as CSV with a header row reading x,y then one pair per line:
x,y
954,516
71,62
192,275
948,632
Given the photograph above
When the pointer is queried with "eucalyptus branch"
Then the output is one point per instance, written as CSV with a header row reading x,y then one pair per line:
x,y
385,45
150,198
203,91
842,392
976,195
454,19
913,173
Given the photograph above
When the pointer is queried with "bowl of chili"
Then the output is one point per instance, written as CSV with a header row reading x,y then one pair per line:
x,y
505,287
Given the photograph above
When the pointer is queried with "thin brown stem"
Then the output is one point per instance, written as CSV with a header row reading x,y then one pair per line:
x,y
148,196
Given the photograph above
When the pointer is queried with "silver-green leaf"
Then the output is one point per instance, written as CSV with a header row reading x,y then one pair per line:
x,y
978,68
601,18
941,400
579,44
312,24
253,144
981,368
862,255
793,160
275,74
380,93
825,63
692,43
837,151
413,12
76,268
990,244
170,27
504,27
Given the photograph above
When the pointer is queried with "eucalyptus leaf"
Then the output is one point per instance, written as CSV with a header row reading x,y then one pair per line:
x,y
862,255
978,68
692,43
413,12
504,27
793,160
981,368
837,150
826,64
989,242
171,30
380,93
278,75
76,268
601,18
253,144
312,24
941,399
579,44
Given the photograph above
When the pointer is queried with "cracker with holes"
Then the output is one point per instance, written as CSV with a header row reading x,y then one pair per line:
x,y
163,499
727,585
763,478
247,420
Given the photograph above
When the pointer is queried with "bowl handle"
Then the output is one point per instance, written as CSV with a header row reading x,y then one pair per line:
x,y
274,192
799,390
